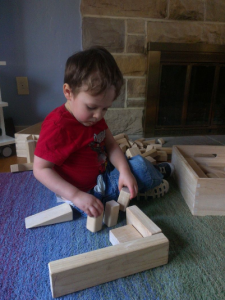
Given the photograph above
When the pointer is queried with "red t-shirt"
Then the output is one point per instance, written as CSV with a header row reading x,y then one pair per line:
x,y
77,151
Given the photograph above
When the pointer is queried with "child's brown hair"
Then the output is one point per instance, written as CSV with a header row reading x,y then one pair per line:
x,y
94,68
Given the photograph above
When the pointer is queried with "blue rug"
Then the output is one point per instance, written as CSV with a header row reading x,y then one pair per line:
x,y
196,268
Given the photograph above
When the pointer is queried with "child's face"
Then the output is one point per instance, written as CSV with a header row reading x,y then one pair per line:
x,y
88,109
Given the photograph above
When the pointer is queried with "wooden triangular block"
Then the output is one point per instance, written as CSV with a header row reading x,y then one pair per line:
x,y
58,214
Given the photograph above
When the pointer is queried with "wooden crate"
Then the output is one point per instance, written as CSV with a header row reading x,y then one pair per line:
x,y
203,195
22,136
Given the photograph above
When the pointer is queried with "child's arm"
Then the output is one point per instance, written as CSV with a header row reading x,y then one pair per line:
x,y
47,176
118,159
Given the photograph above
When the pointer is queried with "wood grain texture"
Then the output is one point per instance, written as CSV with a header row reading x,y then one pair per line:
x,y
85,270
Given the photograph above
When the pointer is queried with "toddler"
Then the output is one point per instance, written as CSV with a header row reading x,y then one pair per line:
x,y
76,155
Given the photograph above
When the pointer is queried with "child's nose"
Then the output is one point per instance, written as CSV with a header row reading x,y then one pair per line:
x,y
98,114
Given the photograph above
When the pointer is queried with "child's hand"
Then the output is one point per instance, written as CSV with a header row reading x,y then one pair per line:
x,y
92,206
127,179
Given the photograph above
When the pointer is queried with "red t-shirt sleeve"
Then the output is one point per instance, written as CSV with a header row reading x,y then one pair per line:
x,y
54,143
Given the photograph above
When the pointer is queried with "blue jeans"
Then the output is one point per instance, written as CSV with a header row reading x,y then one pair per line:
x,y
147,176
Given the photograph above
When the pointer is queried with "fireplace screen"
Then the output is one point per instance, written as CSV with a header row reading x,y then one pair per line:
x,y
185,90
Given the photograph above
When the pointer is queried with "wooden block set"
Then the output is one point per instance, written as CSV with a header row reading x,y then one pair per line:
x,y
154,152
140,243
200,175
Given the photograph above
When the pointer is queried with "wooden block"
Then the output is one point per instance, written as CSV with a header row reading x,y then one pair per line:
x,y
123,141
161,156
151,159
140,144
148,142
124,198
75,273
211,170
204,196
152,153
196,168
212,175
111,213
134,146
94,224
123,234
131,152
21,167
57,214
161,141
141,222
168,150
30,147
123,147
119,136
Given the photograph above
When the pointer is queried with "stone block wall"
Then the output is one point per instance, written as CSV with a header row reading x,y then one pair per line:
x,y
125,26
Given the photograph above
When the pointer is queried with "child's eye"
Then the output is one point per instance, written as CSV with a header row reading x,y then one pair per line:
x,y
90,108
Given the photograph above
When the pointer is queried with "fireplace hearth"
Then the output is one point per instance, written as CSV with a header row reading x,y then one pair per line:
x,y
185,90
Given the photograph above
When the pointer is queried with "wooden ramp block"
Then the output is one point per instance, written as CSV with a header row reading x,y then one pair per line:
x,y
94,224
124,198
58,214
111,213
85,270
141,222
123,234
21,167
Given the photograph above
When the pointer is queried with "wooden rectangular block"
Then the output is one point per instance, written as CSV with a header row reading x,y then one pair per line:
x,y
123,141
111,213
131,152
124,198
152,153
204,196
161,141
21,138
151,159
161,155
94,224
123,147
148,142
85,270
124,234
57,214
119,136
141,222
30,147
21,167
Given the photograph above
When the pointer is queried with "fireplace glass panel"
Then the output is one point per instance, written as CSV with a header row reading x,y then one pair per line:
x,y
171,99
200,95
219,110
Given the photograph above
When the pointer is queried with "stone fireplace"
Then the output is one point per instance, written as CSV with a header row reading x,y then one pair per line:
x,y
126,27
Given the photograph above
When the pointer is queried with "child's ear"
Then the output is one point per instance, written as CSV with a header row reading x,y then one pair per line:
x,y
67,91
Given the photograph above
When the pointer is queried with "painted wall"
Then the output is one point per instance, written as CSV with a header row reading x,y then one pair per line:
x,y
36,38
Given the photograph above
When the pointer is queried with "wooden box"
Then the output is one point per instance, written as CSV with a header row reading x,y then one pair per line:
x,y
22,136
203,195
